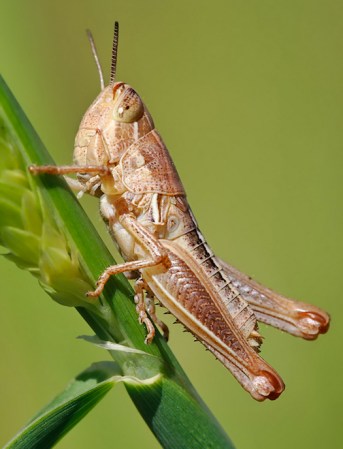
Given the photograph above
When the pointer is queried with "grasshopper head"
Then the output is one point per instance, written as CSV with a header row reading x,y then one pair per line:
x,y
116,119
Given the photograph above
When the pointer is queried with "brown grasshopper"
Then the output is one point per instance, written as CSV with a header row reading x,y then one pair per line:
x,y
120,157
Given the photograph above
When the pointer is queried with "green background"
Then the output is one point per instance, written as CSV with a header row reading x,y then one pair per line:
x,y
248,98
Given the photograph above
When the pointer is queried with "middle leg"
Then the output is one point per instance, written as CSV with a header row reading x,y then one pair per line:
x,y
158,254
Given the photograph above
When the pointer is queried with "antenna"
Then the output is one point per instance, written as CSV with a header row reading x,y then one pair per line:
x,y
96,58
114,53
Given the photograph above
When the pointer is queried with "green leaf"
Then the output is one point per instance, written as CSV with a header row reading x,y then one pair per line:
x,y
68,408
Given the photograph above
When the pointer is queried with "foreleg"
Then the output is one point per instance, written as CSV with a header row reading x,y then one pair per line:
x,y
90,186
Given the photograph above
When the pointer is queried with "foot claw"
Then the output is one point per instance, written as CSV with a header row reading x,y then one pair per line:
x,y
149,338
92,294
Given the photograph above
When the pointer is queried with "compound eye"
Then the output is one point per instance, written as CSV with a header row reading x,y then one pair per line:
x,y
129,107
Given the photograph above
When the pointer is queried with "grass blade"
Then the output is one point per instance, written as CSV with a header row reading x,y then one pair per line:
x,y
68,408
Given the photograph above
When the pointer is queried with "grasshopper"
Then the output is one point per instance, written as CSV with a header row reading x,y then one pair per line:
x,y
120,158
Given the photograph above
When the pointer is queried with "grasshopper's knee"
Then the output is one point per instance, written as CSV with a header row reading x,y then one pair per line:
x,y
162,258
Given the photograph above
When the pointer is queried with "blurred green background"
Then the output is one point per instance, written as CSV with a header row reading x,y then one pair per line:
x,y
248,98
